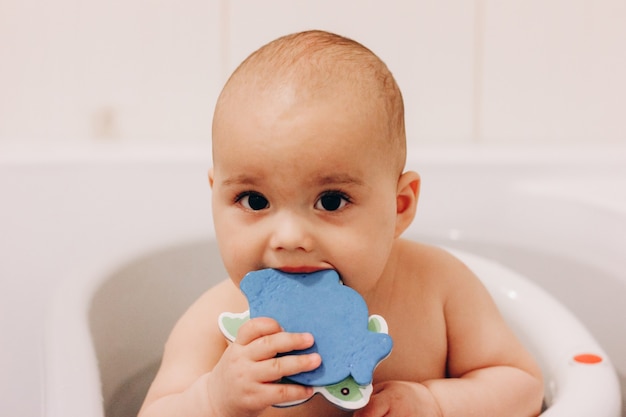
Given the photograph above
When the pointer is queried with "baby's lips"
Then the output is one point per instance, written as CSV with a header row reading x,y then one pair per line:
x,y
300,269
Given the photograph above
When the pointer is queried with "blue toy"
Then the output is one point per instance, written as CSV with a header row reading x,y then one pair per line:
x,y
350,343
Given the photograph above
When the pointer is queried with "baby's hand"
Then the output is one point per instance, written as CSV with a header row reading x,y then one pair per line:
x,y
243,382
399,399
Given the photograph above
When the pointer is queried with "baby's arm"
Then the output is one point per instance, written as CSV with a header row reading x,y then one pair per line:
x,y
492,373
489,372
202,375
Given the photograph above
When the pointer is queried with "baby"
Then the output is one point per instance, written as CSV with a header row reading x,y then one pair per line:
x,y
308,174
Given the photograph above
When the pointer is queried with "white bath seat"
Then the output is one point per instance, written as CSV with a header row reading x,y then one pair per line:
x,y
579,377
103,341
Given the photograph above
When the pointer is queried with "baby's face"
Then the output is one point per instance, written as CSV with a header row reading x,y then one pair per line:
x,y
302,185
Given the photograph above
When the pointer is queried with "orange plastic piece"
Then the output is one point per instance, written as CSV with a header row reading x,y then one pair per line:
x,y
588,358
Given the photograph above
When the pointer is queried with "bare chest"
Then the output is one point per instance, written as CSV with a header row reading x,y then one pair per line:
x,y
419,353
419,346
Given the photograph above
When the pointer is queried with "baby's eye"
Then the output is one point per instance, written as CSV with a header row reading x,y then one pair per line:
x,y
253,201
332,201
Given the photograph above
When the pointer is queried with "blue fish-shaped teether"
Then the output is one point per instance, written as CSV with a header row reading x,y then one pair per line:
x,y
350,343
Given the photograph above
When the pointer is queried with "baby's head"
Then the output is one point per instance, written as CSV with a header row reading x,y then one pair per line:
x,y
308,152
318,66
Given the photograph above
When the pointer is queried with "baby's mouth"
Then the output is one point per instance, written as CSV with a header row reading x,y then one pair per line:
x,y
304,269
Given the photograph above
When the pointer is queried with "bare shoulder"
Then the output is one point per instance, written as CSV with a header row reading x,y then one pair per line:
x,y
436,277
225,296
197,329
460,289
196,344
435,265
471,315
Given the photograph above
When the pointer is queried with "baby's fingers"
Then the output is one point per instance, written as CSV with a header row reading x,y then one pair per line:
x,y
266,339
277,368
283,394
276,394
256,328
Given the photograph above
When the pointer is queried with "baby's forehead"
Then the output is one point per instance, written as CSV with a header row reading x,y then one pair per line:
x,y
268,79
313,61
360,106
306,68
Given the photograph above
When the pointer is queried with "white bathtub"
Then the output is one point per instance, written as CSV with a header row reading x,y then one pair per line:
x,y
131,248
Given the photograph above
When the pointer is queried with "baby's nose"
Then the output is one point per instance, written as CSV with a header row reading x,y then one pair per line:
x,y
291,232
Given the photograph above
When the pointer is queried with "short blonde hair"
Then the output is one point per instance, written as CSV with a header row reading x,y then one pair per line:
x,y
316,58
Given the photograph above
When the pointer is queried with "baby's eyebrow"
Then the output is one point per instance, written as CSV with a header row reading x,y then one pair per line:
x,y
242,179
337,179
322,180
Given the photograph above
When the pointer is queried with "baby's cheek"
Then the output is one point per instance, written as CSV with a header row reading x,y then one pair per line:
x,y
236,261
365,267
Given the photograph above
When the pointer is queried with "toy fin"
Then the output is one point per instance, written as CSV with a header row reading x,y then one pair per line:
x,y
230,323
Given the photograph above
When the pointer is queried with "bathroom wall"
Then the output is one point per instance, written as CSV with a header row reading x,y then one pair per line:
x,y
474,71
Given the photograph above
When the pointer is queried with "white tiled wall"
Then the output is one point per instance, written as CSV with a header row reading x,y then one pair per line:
x,y
489,71
554,71
124,70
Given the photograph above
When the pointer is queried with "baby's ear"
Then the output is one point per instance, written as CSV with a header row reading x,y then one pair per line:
x,y
211,177
406,200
